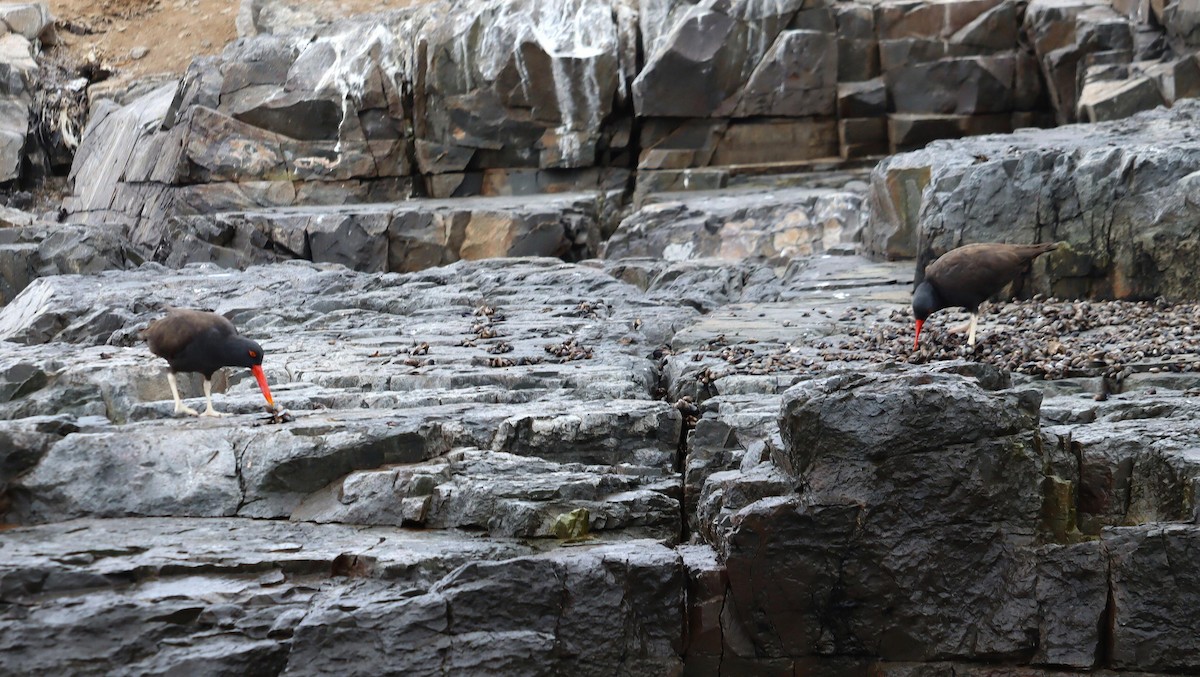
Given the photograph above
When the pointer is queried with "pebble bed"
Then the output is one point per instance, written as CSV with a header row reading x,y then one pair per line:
x,y
1040,337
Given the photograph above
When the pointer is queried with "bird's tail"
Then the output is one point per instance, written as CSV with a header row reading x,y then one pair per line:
x,y
1032,251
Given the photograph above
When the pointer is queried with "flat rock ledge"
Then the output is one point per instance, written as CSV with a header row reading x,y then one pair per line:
x,y
270,597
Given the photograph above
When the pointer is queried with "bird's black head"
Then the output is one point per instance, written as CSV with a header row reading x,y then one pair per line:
x,y
926,301
242,352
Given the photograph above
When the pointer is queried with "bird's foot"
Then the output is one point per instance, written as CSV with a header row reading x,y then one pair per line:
x,y
184,409
214,413
959,328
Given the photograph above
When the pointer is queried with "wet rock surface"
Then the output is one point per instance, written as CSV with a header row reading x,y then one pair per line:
x,y
482,468
712,451
235,595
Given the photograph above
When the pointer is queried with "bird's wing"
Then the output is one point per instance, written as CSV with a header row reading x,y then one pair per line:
x,y
986,271
168,336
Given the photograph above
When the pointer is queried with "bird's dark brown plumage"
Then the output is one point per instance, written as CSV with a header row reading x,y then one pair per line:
x,y
170,337
967,276
203,342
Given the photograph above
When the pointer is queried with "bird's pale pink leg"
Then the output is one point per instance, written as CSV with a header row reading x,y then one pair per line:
x,y
180,407
974,323
209,411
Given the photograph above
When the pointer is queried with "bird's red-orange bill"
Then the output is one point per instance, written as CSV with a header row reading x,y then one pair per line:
x,y
917,340
262,383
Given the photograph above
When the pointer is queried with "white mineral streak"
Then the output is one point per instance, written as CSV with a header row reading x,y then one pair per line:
x,y
357,55
575,34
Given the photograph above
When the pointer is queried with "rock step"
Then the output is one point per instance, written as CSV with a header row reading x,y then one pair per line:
x,y
773,224
506,495
509,332
238,466
252,596
391,236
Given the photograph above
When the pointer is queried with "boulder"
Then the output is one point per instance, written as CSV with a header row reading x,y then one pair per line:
x,y
829,571
27,19
1063,33
17,89
1114,193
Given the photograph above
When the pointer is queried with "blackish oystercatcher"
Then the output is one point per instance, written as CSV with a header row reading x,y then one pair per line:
x,y
967,276
192,340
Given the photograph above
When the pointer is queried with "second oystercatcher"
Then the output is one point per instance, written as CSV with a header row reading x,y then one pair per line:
x,y
202,342
967,276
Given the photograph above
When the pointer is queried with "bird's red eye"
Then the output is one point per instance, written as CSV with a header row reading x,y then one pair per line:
x,y
253,354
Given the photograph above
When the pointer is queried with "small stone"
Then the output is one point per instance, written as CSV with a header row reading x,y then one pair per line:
x,y
138,52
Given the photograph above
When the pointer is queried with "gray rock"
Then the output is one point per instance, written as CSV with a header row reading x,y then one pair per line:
x,y
774,226
27,19
777,141
277,17
1063,33
858,48
400,237
1072,592
731,430
706,589
1151,629
796,77
862,99
612,609
909,131
1136,465
16,95
228,594
849,543
493,383
135,473
1047,185
909,415
32,248
1181,22
503,494
977,85
1115,99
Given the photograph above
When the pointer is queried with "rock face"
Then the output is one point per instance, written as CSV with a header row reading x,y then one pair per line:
x,y
512,97
1115,194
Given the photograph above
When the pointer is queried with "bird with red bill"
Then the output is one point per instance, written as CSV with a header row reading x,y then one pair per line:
x,y
203,342
967,276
